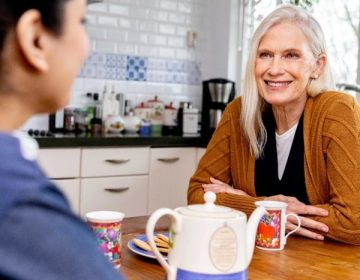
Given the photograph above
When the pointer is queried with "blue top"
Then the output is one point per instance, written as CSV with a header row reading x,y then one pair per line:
x,y
40,237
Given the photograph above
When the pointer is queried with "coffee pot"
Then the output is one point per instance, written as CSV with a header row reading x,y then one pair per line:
x,y
207,241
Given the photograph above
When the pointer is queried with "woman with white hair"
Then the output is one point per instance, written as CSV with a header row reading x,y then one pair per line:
x,y
289,137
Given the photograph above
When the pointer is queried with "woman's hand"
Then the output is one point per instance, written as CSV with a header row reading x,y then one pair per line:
x,y
218,186
309,227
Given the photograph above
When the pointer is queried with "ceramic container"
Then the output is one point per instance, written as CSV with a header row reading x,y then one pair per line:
x,y
114,124
132,123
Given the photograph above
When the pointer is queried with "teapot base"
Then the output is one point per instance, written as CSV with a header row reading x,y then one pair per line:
x,y
182,274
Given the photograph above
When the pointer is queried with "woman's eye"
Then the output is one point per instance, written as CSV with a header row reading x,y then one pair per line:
x,y
264,55
291,55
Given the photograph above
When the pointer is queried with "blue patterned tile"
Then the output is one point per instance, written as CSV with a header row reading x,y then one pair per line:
x,y
100,72
121,74
133,74
89,72
137,62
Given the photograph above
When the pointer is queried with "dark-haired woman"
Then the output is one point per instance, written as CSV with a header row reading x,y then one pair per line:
x,y
42,47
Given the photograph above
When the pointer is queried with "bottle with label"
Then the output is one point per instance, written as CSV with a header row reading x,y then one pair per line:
x,y
96,122
90,110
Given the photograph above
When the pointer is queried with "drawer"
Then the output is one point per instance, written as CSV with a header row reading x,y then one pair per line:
x,y
60,163
127,194
114,161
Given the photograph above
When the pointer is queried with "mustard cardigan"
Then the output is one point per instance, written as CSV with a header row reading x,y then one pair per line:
x,y
331,159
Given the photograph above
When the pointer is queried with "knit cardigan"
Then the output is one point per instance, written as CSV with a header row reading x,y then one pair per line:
x,y
331,163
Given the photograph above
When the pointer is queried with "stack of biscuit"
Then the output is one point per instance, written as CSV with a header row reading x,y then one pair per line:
x,y
161,241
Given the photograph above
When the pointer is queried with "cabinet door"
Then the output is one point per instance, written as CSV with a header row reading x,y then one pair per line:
x,y
71,189
170,171
127,194
60,163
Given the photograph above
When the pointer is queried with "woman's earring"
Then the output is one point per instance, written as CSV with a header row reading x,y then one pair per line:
x,y
315,76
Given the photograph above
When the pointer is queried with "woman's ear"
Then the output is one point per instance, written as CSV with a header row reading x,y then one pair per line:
x,y
319,66
32,38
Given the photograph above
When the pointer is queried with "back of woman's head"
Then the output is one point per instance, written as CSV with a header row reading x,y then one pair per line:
x,y
52,12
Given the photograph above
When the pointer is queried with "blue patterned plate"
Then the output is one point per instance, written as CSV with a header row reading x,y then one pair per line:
x,y
141,252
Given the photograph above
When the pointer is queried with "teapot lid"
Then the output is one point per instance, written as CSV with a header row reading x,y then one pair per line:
x,y
209,209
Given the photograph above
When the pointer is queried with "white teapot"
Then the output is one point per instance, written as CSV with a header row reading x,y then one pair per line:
x,y
207,241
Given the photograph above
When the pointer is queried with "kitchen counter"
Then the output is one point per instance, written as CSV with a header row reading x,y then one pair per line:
x,y
112,140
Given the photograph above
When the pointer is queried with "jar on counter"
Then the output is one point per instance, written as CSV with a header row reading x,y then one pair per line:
x,y
81,120
69,120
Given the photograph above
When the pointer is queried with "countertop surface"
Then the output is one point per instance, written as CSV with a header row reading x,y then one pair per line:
x,y
60,140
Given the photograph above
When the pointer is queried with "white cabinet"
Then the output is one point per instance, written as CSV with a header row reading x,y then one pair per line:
x,y
60,163
63,167
135,181
170,171
127,194
115,179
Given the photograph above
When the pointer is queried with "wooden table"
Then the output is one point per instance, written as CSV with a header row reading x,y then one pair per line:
x,y
302,258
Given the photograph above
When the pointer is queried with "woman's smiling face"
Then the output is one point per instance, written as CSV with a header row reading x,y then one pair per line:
x,y
284,65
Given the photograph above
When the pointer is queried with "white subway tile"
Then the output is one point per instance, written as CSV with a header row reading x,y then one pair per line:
x,y
148,3
185,7
127,23
182,30
177,18
167,5
108,21
182,54
157,40
148,51
134,37
166,52
167,29
126,49
99,7
148,26
119,10
117,35
159,15
178,42
140,13
122,2
107,47
96,33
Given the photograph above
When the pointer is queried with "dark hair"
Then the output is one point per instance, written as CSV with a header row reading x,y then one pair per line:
x,y
52,13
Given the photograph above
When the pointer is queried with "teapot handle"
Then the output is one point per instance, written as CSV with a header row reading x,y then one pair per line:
x,y
150,226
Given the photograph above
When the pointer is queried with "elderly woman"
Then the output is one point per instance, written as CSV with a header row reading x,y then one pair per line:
x,y
289,137
43,45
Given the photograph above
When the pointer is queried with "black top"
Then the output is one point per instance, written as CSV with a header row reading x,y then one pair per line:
x,y
292,183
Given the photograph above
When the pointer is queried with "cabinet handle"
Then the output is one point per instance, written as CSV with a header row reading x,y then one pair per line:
x,y
117,161
169,160
117,190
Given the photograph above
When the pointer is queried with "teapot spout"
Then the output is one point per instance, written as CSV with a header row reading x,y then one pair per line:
x,y
251,230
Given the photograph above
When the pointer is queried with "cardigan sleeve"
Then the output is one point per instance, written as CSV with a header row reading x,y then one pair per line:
x,y
341,158
224,160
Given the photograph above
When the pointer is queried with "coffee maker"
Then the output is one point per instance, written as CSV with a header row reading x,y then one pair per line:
x,y
217,93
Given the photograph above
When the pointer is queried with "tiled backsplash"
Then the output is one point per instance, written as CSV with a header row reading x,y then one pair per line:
x,y
142,49
110,66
